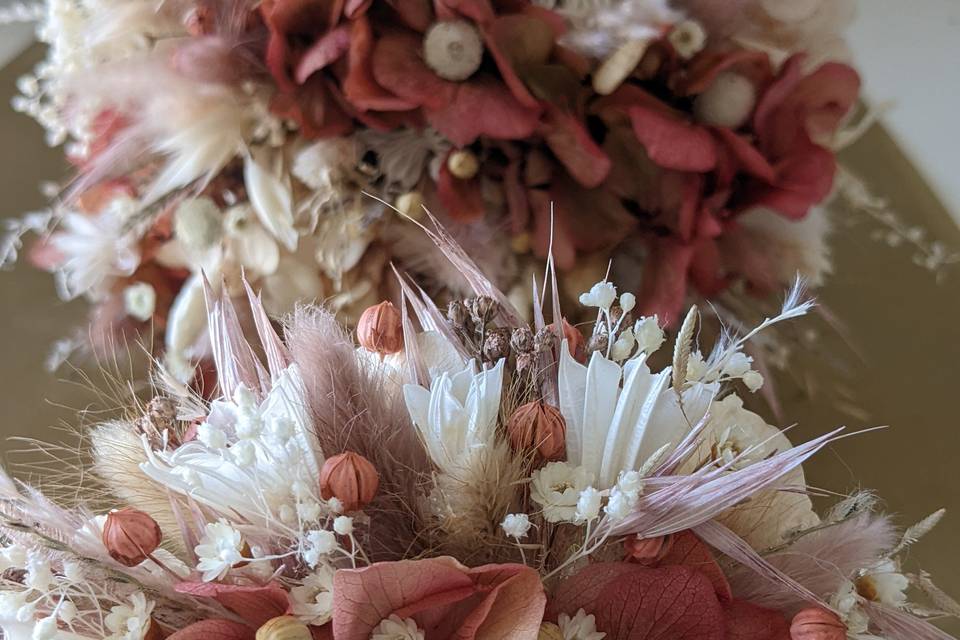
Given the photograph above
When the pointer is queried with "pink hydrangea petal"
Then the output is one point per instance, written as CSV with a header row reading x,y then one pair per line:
x,y
328,49
442,595
462,199
689,551
398,67
570,141
477,10
664,285
483,106
416,14
704,69
747,156
803,180
255,604
514,42
215,630
673,143
359,86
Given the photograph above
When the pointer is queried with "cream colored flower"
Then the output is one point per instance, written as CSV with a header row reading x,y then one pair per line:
x,y
557,487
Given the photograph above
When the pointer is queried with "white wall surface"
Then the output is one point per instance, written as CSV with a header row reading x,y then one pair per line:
x,y
909,52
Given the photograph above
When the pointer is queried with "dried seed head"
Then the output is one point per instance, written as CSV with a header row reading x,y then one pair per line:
x,y
539,428
817,624
351,479
380,329
496,345
130,536
522,340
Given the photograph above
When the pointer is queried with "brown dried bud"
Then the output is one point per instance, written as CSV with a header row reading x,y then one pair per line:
x,y
351,479
130,536
647,551
496,345
817,624
598,342
545,340
549,631
457,314
154,632
522,340
575,339
380,329
482,309
284,628
538,427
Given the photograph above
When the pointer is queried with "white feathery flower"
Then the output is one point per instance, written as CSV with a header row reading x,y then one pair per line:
x,y
130,621
630,482
312,601
598,27
516,525
397,628
588,505
67,611
648,333
96,249
309,511
13,556
140,301
458,413
343,525
556,488
579,627
601,295
219,550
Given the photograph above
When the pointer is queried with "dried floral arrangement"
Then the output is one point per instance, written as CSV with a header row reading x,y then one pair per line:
x,y
692,140
461,475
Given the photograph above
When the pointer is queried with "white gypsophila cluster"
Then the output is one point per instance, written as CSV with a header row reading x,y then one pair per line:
x,y
579,627
516,525
55,595
397,628
644,337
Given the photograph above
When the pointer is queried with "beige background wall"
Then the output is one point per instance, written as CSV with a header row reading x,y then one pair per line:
x,y
896,314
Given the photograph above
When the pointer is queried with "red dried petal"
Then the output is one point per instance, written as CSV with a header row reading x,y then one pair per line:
x,y
803,180
314,108
704,69
664,285
483,107
462,199
631,602
398,67
477,10
359,86
329,48
215,630
255,605
688,550
673,143
747,156
517,41
570,141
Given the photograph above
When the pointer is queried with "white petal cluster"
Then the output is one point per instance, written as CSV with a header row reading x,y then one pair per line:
x,y
601,295
397,628
556,487
312,601
130,621
320,544
220,549
580,627
516,525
